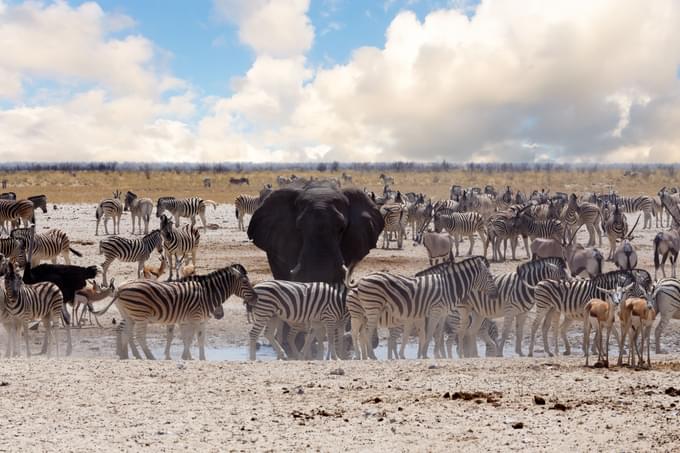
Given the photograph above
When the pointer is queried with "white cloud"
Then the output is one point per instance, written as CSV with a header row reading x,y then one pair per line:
x,y
278,28
572,81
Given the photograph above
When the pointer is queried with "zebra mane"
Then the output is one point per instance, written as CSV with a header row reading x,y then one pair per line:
x,y
448,264
527,267
207,277
614,276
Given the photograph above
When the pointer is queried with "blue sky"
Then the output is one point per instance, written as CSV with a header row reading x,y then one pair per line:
x,y
308,80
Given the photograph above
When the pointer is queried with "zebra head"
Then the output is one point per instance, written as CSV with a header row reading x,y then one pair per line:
x,y
243,288
130,197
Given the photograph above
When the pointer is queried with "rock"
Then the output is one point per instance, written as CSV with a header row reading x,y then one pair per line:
x,y
539,400
518,425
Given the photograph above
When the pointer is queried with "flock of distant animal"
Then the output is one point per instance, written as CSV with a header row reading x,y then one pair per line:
x,y
451,301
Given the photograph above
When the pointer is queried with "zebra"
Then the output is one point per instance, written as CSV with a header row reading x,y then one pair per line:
x,y
503,226
9,323
346,178
245,204
11,210
298,304
41,301
515,299
178,242
140,210
187,207
471,201
39,202
189,303
14,249
109,208
129,250
283,181
569,297
588,214
395,216
239,181
670,202
667,305
658,212
642,203
207,183
460,224
615,227
46,246
430,295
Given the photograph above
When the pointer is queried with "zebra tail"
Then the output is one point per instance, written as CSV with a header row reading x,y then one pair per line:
x,y
657,240
75,252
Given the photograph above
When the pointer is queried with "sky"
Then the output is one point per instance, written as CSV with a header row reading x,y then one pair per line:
x,y
324,80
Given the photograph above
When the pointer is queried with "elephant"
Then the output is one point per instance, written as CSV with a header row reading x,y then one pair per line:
x,y
314,232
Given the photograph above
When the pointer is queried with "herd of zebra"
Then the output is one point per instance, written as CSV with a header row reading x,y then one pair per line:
x,y
451,301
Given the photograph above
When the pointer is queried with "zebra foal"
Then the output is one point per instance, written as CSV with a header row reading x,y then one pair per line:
x,y
189,303
140,210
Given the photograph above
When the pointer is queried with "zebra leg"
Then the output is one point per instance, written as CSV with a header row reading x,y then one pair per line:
x,y
169,335
472,243
270,334
462,330
201,340
563,331
507,325
657,333
141,333
356,324
46,340
473,332
69,343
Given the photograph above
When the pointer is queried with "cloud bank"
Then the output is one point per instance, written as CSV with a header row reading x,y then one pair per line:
x,y
573,81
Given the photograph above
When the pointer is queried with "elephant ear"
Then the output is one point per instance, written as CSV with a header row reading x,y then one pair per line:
x,y
364,225
272,229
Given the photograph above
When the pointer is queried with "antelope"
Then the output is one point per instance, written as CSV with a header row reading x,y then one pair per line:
x,y
600,314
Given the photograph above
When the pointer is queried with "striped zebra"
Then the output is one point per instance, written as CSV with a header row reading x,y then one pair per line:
x,y
576,214
395,216
642,203
140,210
515,299
397,328
39,202
129,250
41,301
46,246
9,323
16,210
430,295
554,298
615,226
667,305
298,304
109,208
670,202
504,226
476,202
658,212
13,250
245,204
460,224
178,242
185,207
189,303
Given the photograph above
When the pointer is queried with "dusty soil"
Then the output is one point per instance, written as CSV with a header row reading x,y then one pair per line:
x,y
92,399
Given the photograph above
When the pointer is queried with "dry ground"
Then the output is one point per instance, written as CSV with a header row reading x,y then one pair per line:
x,y
93,400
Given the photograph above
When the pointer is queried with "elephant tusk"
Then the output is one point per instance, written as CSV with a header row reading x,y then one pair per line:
x,y
296,269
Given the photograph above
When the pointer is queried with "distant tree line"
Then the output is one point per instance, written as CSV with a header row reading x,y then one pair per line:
x,y
399,166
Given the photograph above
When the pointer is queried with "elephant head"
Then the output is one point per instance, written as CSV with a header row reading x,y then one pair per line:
x,y
311,233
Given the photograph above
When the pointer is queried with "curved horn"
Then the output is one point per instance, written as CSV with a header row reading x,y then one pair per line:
x,y
573,236
604,290
630,233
